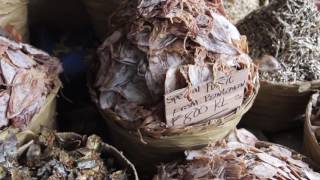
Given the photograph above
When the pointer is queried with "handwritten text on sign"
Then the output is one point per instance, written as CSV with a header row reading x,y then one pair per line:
x,y
209,100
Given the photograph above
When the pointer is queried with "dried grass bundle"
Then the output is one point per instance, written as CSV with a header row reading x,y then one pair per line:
x,y
240,156
28,76
167,45
289,31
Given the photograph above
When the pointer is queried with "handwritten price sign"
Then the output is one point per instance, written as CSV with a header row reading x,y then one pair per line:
x,y
209,100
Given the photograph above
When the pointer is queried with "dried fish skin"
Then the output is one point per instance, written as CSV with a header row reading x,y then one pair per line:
x,y
222,160
168,45
44,158
28,75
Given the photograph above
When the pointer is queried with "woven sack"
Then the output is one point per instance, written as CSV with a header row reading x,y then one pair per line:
x,y
15,13
278,106
45,117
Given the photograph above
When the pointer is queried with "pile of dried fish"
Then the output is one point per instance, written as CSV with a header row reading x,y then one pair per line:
x,y
58,156
238,9
289,31
165,46
28,75
240,156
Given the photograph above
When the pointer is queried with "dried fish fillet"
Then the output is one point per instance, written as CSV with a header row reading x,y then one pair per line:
x,y
223,160
29,75
54,155
165,45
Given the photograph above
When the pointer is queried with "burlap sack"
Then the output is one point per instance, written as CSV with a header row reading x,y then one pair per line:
x,y
15,13
278,106
45,117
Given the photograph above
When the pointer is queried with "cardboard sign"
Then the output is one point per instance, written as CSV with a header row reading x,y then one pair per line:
x,y
208,100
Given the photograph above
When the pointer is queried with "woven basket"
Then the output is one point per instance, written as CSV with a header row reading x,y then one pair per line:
x,y
146,152
120,159
107,151
15,13
45,117
311,145
278,106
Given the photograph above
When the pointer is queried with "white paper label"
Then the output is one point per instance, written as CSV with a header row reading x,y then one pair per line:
x,y
209,100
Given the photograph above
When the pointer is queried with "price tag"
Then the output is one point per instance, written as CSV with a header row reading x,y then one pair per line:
x,y
209,100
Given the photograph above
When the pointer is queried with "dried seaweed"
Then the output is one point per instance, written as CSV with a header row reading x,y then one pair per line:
x,y
159,46
289,31
238,158
58,156
27,76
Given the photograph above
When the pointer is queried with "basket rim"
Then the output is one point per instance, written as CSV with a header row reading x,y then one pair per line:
x,y
301,85
308,115
109,147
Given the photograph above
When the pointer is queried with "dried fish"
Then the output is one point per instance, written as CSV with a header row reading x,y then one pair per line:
x,y
263,171
246,137
289,31
271,160
165,45
50,161
221,161
29,75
